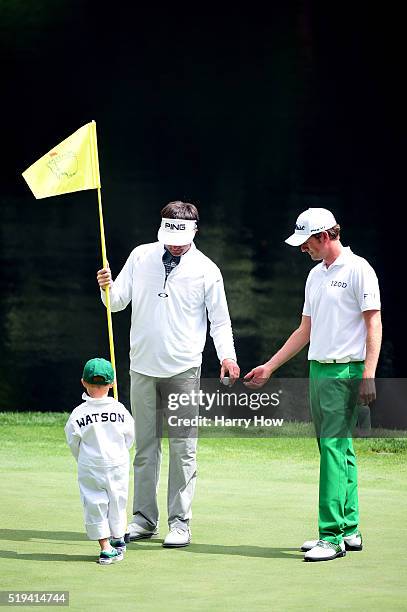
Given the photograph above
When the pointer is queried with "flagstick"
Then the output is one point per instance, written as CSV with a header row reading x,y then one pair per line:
x,y
107,293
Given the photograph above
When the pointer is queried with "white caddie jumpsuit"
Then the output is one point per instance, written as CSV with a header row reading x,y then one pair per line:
x,y
100,433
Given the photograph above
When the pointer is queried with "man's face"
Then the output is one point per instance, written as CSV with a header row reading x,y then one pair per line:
x,y
314,247
177,251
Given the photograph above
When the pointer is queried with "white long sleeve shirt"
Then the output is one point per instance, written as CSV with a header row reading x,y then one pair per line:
x,y
100,432
167,335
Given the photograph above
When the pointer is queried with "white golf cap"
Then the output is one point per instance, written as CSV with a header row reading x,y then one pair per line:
x,y
177,232
311,221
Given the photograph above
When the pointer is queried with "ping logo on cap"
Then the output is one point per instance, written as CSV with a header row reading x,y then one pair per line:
x,y
174,226
177,232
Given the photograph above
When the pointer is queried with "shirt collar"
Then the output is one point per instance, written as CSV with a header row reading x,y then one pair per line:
x,y
168,257
341,259
97,400
191,249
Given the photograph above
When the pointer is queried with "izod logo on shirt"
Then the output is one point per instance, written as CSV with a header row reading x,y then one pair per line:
x,y
335,283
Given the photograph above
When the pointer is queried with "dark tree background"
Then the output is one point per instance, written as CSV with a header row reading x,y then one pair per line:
x,y
253,114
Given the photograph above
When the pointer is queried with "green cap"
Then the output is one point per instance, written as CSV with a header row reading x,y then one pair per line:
x,y
98,367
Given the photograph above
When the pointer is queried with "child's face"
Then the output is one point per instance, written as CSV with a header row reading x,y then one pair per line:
x,y
96,391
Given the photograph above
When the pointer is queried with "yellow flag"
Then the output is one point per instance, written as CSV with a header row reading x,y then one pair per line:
x,y
73,165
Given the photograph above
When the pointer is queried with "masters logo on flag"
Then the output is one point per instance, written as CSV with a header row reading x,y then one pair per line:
x,y
72,165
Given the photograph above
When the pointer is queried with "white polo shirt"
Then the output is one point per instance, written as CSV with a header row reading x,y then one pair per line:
x,y
335,299
167,335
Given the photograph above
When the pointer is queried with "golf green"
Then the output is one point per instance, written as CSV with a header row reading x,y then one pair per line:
x,y
256,502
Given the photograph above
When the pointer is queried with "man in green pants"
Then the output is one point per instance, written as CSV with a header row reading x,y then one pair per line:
x,y
341,320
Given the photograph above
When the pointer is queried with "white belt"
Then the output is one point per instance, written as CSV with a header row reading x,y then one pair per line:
x,y
342,360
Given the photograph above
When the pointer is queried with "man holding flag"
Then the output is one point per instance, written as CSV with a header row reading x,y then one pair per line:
x,y
172,287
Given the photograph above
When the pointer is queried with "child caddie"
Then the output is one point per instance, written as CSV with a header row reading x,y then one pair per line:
x,y
100,433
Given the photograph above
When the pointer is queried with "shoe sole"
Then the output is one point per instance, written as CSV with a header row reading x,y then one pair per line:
x,y
347,547
353,548
176,545
110,561
339,554
146,536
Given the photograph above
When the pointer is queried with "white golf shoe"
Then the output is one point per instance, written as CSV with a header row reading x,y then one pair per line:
x,y
308,544
325,551
135,532
352,542
177,537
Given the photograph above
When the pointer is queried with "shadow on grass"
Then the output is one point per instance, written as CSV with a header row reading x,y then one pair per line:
x,y
11,554
27,535
31,535
265,552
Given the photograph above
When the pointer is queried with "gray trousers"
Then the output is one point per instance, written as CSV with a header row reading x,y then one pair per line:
x,y
149,400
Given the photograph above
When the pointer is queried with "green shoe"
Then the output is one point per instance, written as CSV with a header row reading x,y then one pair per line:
x,y
118,544
106,558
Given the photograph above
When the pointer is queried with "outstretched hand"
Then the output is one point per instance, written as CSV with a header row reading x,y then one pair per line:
x,y
257,377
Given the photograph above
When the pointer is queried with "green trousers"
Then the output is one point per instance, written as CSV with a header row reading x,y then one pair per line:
x,y
334,390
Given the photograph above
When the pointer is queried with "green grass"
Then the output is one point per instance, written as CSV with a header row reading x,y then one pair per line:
x,y
255,503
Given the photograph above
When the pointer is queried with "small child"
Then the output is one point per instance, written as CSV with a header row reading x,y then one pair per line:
x,y
100,433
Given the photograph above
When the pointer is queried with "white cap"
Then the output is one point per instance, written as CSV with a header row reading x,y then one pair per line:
x,y
177,232
311,221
